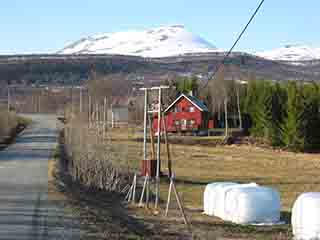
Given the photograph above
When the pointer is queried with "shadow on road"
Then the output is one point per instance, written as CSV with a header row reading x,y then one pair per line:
x,y
36,139
101,213
32,154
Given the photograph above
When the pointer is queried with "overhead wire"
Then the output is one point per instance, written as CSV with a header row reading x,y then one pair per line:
x,y
234,45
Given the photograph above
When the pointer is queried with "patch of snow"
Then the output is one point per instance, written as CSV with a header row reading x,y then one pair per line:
x,y
293,53
159,42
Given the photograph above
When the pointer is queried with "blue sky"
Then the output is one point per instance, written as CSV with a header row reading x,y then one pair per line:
x,y
46,26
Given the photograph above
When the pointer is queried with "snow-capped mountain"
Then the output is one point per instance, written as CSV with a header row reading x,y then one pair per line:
x,y
159,42
294,53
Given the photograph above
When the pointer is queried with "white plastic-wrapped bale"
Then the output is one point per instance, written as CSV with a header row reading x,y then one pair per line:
x,y
250,204
221,197
207,197
306,216
210,196
242,203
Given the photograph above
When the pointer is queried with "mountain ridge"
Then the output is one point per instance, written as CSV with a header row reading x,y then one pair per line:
x,y
172,40
292,53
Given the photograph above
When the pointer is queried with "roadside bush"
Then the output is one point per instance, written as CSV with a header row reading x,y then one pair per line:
x,y
94,161
8,122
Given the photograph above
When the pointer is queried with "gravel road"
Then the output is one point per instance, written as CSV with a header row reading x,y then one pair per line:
x,y
26,212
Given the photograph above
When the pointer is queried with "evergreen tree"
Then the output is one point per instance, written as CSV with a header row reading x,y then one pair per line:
x,y
311,116
278,110
259,107
292,127
264,111
251,96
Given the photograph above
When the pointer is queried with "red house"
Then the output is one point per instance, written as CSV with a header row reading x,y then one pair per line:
x,y
186,114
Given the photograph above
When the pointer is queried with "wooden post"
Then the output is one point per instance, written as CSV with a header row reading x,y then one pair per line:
x,y
89,110
147,193
134,188
104,117
97,127
32,105
35,104
39,103
180,204
97,111
9,99
129,194
169,197
173,187
146,179
71,94
167,146
112,117
9,104
145,124
226,117
80,101
158,152
126,188
153,151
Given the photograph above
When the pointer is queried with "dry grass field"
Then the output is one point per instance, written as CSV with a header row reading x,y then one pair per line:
x,y
197,161
197,164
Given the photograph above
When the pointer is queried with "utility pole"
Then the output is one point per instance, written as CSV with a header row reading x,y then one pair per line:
x,y
80,101
89,110
104,117
71,94
39,101
33,104
145,124
112,116
9,99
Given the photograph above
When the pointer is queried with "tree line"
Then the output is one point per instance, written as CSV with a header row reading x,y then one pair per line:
x,y
283,114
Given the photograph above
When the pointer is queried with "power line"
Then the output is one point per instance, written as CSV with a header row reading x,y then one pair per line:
x,y
234,45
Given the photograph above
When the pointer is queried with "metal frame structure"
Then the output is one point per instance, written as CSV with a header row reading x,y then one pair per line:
x,y
146,112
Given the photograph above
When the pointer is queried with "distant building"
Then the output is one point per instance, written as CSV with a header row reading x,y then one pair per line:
x,y
118,114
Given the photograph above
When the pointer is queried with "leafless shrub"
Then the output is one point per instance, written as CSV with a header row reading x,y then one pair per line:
x,y
95,161
8,122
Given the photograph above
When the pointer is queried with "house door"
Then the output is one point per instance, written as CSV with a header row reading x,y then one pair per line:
x,y
184,124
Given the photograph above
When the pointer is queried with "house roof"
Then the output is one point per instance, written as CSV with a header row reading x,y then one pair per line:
x,y
195,101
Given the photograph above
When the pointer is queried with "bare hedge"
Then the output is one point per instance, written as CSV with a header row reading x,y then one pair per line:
x,y
95,161
8,122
